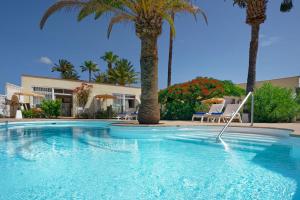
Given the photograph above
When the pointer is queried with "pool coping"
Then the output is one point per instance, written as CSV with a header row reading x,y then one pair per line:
x,y
128,124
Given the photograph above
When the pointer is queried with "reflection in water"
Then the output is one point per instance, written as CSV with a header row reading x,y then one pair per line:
x,y
21,142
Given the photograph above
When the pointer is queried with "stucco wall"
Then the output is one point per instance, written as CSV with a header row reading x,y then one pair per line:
x,y
27,82
11,89
290,82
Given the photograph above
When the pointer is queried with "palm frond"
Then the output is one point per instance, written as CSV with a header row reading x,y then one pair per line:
x,y
116,19
84,12
240,3
286,5
97,7
59,6
169,19
184,6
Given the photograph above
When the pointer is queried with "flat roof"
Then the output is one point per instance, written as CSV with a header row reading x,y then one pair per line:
x,y
78,81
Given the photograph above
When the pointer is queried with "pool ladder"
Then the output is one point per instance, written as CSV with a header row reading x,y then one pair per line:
x,y
219,137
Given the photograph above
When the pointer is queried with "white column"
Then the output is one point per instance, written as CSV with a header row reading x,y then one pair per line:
x,y
53,96
123,103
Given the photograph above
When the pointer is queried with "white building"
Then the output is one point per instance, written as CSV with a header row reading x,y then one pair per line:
x,y
126,98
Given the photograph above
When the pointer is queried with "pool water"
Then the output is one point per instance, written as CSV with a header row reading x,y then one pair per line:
x,y
94,160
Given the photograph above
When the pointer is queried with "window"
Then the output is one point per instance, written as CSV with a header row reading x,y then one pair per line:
x,y
124,103
41,90
63,91
131,103
118,103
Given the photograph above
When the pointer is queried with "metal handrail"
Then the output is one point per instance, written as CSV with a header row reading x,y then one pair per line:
x,y
218,139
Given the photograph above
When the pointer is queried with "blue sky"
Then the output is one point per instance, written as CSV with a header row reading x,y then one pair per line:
x,y
218,50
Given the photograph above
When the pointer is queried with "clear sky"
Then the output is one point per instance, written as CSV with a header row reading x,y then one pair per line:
x,y
219,50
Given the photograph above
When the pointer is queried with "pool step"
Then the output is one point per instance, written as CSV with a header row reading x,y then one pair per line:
x,y
233,136
233,141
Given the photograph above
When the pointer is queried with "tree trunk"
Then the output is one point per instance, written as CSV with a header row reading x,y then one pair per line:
x,y
149,112
253,57
90,75
170,55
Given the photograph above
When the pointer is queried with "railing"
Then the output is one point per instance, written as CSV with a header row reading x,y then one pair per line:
x,y
219,137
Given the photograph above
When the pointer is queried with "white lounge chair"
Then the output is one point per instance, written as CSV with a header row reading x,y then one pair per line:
x,y
127,116
214,109
131,116
228,113
120,116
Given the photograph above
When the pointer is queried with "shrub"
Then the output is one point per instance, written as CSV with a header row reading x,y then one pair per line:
x,y
33,113
180,101
202,107
105,114
274,104
27,113
51,108
83,115
230,89
298,95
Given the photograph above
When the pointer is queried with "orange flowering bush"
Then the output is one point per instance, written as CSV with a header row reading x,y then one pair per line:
x,y
180,101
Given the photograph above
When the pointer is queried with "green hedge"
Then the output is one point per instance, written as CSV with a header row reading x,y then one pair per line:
x,y
275,104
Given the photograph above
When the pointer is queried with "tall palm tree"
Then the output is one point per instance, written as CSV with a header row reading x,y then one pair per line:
x,y
89,66
123,73
170,53
256,15
148,17
110,58
66,70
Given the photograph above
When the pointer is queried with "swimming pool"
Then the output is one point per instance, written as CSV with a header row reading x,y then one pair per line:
x,y
95,160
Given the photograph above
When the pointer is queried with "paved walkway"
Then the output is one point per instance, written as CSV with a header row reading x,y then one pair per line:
x,y
295,127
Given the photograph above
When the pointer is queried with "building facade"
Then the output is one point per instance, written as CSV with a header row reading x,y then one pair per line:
x,y
288,82
126,98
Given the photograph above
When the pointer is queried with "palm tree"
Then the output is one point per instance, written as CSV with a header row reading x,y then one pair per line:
x,y
89,66
123,73
170,53
66,70
256,15
110,58
101,77
148,17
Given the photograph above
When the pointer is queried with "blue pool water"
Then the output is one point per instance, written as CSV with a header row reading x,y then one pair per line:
x,y
94,160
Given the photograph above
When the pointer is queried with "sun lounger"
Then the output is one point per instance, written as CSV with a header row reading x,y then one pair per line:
x,y
120,116
127,116
228,113
215,108
131,116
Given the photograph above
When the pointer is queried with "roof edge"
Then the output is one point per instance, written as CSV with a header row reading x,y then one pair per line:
x,y
78,81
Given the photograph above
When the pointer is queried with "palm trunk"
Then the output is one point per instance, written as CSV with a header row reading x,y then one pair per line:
x,y
90,76
170,55
149,109
109,66
253,57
